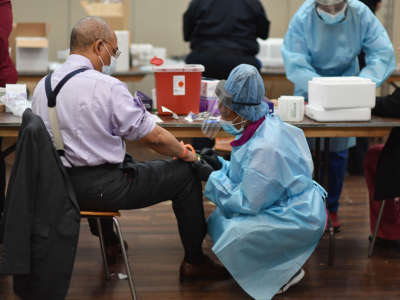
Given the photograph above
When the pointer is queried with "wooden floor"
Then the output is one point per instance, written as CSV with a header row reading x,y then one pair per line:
x,y
155,254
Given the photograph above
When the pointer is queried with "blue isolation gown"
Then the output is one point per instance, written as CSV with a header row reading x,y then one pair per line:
x,y
269,213
313,48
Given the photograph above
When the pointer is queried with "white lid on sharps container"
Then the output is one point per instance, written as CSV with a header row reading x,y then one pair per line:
x,y
179,68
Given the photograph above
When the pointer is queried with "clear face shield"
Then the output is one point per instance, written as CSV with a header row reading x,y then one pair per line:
x,y
218,112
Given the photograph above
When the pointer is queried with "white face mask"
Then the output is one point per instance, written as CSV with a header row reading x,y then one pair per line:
x,y
111,67
332,19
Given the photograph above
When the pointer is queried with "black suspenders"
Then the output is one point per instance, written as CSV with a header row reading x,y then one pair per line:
x,y
51,105
52,95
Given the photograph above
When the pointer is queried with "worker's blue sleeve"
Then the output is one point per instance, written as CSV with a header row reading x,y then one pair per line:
x,y
379,53
297,61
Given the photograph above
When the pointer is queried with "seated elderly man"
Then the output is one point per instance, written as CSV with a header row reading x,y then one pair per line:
x,y
96,114
270,214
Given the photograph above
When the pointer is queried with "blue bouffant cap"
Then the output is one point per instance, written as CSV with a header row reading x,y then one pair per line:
x,y
243,92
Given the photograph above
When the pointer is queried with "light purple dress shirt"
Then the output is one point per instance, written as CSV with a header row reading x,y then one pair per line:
x,y
96,113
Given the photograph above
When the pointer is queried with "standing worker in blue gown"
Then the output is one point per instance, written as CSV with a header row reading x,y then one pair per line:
x,y
324,39
269,213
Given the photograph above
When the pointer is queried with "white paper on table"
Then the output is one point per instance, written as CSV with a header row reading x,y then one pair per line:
x,y
174,115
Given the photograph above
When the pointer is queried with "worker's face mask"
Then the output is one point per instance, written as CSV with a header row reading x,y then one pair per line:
x,y
111,67
332,18
229,126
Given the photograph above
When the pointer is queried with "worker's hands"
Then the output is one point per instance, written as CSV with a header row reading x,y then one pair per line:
x,y
211,157
202,169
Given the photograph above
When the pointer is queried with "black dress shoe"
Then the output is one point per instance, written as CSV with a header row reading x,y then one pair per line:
x,y
208,270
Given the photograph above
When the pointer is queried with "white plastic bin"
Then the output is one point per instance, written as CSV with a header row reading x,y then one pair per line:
x,y
317,113
341,92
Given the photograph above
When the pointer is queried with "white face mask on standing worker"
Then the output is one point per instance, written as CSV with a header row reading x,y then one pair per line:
x,y
113,61
331,11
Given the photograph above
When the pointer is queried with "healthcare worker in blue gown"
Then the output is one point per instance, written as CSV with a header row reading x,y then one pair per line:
x,y
269,213
324,39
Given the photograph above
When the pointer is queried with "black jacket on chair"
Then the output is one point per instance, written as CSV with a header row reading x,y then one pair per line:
x,y
42,217
387,180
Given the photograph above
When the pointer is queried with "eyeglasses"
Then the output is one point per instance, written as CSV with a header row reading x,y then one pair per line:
x,y
116,52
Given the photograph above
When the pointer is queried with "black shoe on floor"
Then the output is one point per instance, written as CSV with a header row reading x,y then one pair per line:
x,y
208,270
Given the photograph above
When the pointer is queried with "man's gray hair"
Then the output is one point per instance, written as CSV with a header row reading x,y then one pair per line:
x,y
87,31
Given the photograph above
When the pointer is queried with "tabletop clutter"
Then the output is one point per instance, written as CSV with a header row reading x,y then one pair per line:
x,y
180,90
14,99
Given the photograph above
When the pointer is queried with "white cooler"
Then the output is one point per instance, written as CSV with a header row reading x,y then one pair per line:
x,y
317,113
341,92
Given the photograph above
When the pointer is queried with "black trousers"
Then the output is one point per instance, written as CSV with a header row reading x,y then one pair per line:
x,y
138,185
355,161
219,63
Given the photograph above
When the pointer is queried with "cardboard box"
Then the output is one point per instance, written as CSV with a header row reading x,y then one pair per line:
x,y
115,14
30,47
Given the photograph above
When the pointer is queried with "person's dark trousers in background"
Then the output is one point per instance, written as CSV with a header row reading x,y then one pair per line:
x,y
110,188
355,164
337,170
219,63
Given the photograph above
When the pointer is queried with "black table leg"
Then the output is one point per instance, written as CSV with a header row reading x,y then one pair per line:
x,y
324,183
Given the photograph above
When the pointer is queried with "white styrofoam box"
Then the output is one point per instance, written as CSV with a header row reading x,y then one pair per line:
x,y
123,46
208,87
270,52
141,54
317,113
341,92
31,54
291,108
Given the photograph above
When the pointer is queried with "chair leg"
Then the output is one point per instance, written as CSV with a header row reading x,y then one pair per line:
x,y
378,222
103,250
331,230
125,256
